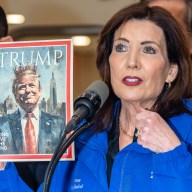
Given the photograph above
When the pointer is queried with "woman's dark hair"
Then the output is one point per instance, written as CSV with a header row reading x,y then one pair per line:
x,y
3,23
169,102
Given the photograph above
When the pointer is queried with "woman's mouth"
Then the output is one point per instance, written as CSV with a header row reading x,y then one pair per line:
x,y
132,80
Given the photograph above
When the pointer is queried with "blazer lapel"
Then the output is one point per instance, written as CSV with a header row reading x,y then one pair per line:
x,y
16,130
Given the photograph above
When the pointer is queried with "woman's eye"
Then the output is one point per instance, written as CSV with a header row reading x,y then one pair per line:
x,y
120,48
149,50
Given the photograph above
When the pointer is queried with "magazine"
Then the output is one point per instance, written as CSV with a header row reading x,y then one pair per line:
x,y
36,79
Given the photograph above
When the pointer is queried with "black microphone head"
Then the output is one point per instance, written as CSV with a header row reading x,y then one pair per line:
x,y
92,98
101,89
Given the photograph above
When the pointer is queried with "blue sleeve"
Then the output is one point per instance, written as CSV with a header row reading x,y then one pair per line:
x,y
10,180
174,168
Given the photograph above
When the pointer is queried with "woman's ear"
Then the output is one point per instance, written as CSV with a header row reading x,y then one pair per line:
x,y
173,71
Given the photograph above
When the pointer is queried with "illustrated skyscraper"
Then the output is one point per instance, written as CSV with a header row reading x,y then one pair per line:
x,y
53,94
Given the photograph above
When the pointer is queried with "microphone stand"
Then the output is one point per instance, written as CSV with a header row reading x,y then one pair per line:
x,y
61,148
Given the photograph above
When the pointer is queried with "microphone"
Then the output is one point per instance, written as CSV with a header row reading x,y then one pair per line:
x,y
86,105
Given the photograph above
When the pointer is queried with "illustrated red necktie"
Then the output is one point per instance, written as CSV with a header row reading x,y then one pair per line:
x,y
30,139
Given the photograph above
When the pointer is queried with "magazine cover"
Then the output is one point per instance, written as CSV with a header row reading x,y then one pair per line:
x,y
36,98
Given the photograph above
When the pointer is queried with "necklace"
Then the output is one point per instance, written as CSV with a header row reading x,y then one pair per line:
x,y
123,130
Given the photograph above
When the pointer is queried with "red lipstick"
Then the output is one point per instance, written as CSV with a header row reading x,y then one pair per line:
x,y
132,80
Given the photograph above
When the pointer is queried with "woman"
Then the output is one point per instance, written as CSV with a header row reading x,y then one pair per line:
x,y
142,139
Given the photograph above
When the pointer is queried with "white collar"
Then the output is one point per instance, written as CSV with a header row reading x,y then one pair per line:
x,y
35,112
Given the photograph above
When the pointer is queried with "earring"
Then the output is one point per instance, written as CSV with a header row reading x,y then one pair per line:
x,y
168,85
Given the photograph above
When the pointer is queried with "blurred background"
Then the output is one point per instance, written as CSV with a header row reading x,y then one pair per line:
x,y
64,19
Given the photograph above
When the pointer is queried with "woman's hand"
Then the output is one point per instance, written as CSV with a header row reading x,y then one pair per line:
x,y
154,133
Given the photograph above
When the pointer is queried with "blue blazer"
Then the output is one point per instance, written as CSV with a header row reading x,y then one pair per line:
x,y
11,136
135,168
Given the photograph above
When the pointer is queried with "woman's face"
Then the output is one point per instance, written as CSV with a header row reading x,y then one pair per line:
x,y
139,63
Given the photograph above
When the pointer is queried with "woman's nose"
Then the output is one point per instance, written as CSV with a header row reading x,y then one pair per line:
x,y
133,60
